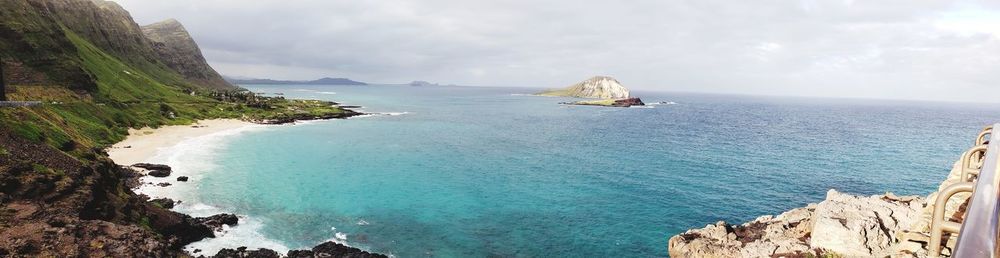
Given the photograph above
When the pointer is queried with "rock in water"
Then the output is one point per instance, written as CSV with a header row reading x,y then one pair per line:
x,y
600,87
215,222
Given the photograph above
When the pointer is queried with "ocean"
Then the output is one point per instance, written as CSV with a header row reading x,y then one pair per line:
x,y
476,172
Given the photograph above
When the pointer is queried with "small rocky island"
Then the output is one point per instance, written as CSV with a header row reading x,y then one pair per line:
x,y
609,91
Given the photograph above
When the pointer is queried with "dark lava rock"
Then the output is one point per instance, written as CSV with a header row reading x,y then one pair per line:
x,y
328,249
163,184
242,252
130,176
166,203
628,102
215,222
300,254
331,249
149,166
182,178
159,173
181,227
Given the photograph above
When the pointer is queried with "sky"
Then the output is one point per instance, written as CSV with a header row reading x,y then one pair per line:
x,y
896,49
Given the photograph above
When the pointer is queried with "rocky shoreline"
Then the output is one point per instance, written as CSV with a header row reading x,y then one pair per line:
x,y
290,119
842,225
626,102
192,229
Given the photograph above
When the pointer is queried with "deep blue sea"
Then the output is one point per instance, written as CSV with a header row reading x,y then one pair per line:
x,y
476,172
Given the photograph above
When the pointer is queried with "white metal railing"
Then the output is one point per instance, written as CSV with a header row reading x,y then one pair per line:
x,y
980,228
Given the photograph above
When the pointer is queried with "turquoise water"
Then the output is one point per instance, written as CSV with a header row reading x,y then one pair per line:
x,y
474,172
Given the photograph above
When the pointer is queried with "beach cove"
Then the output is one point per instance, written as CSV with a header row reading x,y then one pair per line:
x,y
473,172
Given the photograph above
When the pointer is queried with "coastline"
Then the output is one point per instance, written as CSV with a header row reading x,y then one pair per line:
x,y
190,151
841,225
141,145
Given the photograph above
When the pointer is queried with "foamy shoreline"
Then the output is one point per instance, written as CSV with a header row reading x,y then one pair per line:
x,y
190,150
143,144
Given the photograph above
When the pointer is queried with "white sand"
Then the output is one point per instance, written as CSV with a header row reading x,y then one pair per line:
x,y
143,144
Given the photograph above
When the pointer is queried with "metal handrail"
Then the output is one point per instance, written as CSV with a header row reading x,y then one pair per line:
x,y
981,139
938,223
969,158
981,227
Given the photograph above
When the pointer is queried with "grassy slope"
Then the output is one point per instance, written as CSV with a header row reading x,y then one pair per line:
x,y
125,98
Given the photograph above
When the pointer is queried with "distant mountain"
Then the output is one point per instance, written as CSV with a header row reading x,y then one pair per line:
x,y
422,83
322,81
600,87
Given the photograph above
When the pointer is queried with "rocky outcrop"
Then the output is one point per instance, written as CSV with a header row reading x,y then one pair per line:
x,y
863,226
609,102
600,87
850,226
842,224
628,102
175,47
215,222
55,205
154,170
289,119
166,203
149,166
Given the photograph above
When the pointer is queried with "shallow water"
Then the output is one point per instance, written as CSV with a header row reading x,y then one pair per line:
x,y
472,172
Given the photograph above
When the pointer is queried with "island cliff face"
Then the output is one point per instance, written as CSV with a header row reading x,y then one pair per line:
x,y
598,87
178,51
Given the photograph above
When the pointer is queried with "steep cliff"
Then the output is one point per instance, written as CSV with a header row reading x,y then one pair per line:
x,y
600,87
38,45
177,49
35,46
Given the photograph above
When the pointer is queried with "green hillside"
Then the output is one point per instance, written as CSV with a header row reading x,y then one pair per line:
x,y
97,76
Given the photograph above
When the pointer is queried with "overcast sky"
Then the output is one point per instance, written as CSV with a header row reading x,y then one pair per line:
x,y
905,49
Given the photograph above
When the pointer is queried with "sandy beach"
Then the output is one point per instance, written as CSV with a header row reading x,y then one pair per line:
x,y
143,144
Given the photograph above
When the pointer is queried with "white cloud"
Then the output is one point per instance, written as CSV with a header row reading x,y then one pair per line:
x,y
880,49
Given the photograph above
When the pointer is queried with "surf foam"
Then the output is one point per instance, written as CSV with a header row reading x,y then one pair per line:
x,y
193,158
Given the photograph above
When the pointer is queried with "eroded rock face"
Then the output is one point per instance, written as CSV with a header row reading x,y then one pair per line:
x,y
766,236
175,47
843,224
601,87
862,226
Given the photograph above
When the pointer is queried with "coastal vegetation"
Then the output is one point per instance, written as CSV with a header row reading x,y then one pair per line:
x,y
98,74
